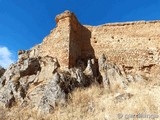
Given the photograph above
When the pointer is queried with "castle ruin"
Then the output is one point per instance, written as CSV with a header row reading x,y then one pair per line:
x,y
128,44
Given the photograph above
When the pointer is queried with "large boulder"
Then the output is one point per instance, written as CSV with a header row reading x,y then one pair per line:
x,y
2,70
112,77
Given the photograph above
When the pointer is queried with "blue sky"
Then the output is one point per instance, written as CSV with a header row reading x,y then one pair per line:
x,y
24,23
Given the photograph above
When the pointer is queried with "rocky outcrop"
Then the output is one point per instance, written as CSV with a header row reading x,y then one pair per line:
x,y
123,97
40,83
112,77
2,70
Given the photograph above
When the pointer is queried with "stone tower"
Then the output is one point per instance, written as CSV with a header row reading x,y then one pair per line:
x,y
68,42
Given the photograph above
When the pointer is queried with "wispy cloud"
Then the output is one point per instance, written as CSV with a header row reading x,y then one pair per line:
x,y
5,57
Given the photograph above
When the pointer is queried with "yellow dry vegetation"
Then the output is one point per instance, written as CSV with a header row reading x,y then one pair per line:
x,y
97,103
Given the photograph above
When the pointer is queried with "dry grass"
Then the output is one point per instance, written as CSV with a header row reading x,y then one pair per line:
x,y
96,103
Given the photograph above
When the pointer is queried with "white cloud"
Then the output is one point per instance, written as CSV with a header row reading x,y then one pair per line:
x,y
5,57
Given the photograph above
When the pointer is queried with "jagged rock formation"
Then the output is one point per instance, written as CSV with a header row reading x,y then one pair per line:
x,y
74,56
2,70
40,83
111,74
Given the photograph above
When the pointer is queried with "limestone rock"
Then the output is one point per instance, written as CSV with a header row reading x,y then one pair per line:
x,y
111,75
40,83
89,68
138,77
122,97
130,78
19,80
53,94
2,70
6,98
103,70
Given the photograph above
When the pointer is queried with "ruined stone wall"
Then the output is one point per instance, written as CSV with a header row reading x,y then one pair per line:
x,y
74,41
64,41
129,44
57,43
